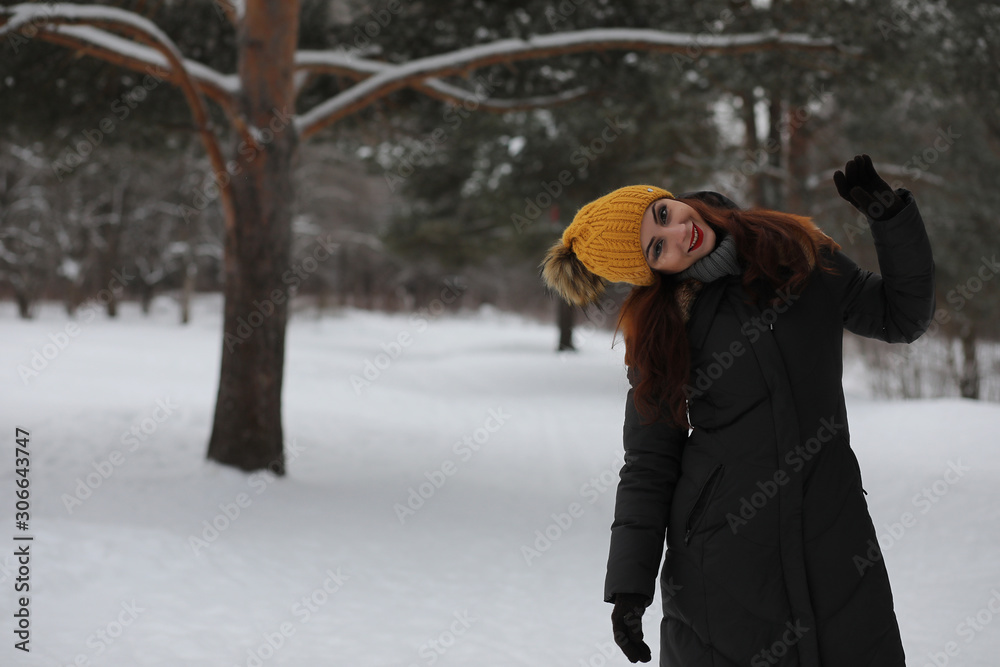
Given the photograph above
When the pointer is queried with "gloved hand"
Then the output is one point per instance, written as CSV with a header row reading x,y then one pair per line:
x,y
626,621
860,185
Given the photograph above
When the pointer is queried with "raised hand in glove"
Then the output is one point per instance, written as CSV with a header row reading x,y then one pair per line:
x,y
626,621
860,185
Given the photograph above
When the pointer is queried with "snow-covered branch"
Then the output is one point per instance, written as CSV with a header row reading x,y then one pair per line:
x,y
340,63
45,17
124,52
344,64
395,77
234,10
448,93
219,87
87,29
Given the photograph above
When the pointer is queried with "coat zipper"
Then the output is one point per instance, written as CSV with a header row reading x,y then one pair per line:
x,y
698,510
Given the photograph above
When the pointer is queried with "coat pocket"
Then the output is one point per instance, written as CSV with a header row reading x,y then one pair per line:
x,y
701,503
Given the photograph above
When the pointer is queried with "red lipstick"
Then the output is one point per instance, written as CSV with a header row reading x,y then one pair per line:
x,y
697,236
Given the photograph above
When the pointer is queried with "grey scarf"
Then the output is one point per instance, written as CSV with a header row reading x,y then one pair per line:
x,y
722,261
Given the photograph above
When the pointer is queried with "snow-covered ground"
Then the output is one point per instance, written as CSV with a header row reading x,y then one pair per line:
x,y
454,511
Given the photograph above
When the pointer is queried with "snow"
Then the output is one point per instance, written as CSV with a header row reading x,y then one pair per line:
x,y
239,7
502,435
26,155
69,268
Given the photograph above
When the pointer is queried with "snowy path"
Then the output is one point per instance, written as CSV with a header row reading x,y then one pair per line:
x,y
497,432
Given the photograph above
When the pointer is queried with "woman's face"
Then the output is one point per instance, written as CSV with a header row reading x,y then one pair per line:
x,y
674,236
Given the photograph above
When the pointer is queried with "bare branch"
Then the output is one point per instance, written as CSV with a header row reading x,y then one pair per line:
x,y
413,73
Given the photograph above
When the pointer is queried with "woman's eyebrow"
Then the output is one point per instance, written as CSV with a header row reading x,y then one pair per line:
x,y
648,245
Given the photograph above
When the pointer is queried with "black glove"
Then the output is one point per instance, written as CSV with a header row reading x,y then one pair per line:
x,y
860,185
626,621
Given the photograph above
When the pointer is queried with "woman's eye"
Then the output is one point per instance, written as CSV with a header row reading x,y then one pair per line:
x,y
656,249
663,215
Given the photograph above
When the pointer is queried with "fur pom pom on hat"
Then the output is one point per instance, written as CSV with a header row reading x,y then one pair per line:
x,y
602,244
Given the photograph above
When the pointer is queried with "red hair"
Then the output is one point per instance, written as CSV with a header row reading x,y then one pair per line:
x,y
780,248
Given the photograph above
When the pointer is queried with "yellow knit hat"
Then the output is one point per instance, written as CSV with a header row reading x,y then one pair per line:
x,y
602,242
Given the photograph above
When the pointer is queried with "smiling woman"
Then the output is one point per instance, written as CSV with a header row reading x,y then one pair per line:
x,y
674,236
780,584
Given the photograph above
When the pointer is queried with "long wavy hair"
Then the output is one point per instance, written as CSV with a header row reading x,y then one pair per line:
x,y
777,248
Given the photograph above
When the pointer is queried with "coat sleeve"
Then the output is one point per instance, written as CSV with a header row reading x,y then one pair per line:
x,y
642,505
898,305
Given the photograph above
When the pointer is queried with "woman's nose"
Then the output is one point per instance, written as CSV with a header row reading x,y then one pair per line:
x,y
680,231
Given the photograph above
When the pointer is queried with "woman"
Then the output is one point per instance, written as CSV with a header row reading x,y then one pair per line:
x,y
737,449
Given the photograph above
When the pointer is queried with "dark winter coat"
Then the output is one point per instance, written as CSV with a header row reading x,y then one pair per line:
x,y
772,558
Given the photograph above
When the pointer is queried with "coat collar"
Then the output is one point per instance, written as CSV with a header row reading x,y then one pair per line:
x,y
698,301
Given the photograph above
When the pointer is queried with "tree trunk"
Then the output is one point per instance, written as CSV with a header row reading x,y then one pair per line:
x,y
565,317
147,297
797,161
247,431
774,193
752,144
968,379
23,304
112,306
190,273
72,300
114,241
321,299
